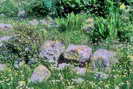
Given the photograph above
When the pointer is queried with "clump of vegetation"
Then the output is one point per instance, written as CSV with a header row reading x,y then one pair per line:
x,y
25,43
111,28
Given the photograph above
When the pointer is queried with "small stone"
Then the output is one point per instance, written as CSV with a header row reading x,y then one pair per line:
x,y
4,38
32,61
21,13
2,15
78,80
103,58
79,70
5,26
40,74
51,50
48,22
18,63
34,22
101,75
3,67
80,53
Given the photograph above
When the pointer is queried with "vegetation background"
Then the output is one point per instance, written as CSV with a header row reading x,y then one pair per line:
x,y
112,29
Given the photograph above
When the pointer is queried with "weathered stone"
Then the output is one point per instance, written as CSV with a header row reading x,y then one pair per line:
x,y
5,26
80,53
51,50
40,74
3,67
103,58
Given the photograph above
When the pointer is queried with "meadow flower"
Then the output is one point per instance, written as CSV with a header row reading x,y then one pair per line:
x,y
22,83
122,6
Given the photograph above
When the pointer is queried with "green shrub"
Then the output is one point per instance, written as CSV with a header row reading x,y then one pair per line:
x,y
8,7
58,7
25,43
72,22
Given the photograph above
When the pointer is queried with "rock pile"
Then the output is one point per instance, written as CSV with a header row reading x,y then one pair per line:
x,y
54,51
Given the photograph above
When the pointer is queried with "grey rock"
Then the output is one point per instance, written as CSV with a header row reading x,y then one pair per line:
x,y
4,39
103,58
40,74
2,15
51,50
3,67
18,63
101,75
78,80
80,53
34,22
21,13
32,61
48,22
5,26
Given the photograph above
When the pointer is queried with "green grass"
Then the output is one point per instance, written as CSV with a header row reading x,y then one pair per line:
x,y
106,33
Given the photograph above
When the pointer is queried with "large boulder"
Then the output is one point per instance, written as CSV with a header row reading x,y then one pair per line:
x,y
103,58
51,50
79,53
5,26
40,74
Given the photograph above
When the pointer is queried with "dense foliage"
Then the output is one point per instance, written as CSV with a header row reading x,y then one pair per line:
x,y
60,7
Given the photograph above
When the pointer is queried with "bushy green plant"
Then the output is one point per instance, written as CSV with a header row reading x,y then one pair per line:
x,y
58,7
106,28
72,22
8,7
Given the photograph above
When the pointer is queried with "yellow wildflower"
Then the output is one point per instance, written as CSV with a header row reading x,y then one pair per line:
x,y
122,6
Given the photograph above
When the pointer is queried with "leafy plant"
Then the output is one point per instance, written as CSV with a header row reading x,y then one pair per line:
x,y
72,22
8,7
